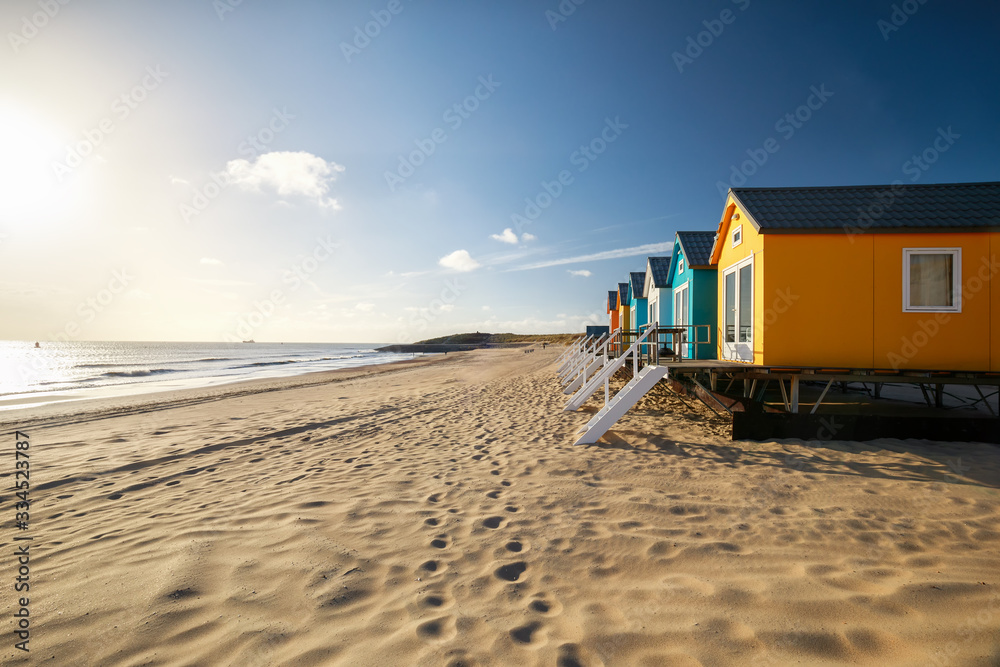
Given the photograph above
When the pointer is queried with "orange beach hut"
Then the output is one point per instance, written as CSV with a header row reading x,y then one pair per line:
x,y
895,276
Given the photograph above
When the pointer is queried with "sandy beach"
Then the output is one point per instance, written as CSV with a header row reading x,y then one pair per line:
x,y
434,512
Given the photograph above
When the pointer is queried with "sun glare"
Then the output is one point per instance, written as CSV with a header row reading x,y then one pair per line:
x,y
27,150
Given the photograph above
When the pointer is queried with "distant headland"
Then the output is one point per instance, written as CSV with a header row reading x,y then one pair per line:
x,y
479,340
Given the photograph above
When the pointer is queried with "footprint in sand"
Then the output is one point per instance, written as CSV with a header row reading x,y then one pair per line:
x,y
432,521
493,522
530,634
511,571
493,494
434,498
515,546
438,630
431,567
440,542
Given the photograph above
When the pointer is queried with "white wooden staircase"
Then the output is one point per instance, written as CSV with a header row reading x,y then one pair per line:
x,y
593,360
614,407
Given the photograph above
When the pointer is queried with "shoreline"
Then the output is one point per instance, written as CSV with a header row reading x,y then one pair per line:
x,y
171,398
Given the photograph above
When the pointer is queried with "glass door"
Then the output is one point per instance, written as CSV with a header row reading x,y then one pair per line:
x,y
738,299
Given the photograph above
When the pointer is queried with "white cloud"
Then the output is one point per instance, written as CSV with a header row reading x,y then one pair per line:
x,y
582,272
648,249
508,236
365,307
178,181
211,261
287,173
528,237
447,307
487,308
460,260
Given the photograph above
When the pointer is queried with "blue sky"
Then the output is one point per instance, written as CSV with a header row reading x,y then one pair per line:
x,y
213,170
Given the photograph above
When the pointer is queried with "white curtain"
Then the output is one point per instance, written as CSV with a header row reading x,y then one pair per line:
x,y
931,280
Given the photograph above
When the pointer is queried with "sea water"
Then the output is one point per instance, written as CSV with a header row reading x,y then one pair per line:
x,y
60,371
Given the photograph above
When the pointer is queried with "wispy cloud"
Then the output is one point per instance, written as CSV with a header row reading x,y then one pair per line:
x,y
528,237
211,261
460,260
648,249
634,222
582,272
288,173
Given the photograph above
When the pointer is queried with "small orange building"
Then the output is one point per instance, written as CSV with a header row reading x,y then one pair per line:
x,y
624,306
896,276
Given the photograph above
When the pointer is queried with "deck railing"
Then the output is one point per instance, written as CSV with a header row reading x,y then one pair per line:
x,y
667,342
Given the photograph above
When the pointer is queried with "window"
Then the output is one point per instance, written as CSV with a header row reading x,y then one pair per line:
x,y
932,280
680,264
738,236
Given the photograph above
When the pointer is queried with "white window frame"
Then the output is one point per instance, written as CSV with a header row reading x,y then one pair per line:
x,y
738,235
956,280
680,264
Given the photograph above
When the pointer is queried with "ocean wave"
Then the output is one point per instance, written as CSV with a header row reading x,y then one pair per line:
x,y
138,373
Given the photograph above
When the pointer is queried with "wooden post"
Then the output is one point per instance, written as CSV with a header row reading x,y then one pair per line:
x,y
939,395
795,394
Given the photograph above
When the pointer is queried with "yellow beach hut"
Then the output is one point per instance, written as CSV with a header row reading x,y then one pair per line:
x,y
895,276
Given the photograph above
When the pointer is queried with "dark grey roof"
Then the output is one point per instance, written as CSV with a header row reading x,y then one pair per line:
x,y
660,268
612,300
697,247
855,209
638,280
623,293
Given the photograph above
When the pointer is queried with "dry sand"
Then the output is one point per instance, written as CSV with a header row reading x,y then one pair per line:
x,y
435,513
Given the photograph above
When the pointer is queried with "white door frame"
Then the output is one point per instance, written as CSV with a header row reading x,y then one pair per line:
x,y
738,350
684,292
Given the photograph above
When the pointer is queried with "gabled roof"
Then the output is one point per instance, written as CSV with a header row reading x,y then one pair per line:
x,y
638,280
697,247
612,300
659,267
876,208
622,293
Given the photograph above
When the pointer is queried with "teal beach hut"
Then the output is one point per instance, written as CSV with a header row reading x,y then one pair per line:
x,y
694,292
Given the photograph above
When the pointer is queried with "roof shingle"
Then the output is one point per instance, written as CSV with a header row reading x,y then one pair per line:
x,y
856,209
697,247
638,280
660,268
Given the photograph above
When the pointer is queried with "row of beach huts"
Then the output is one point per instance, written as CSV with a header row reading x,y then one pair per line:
x,y
865,284
896,276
